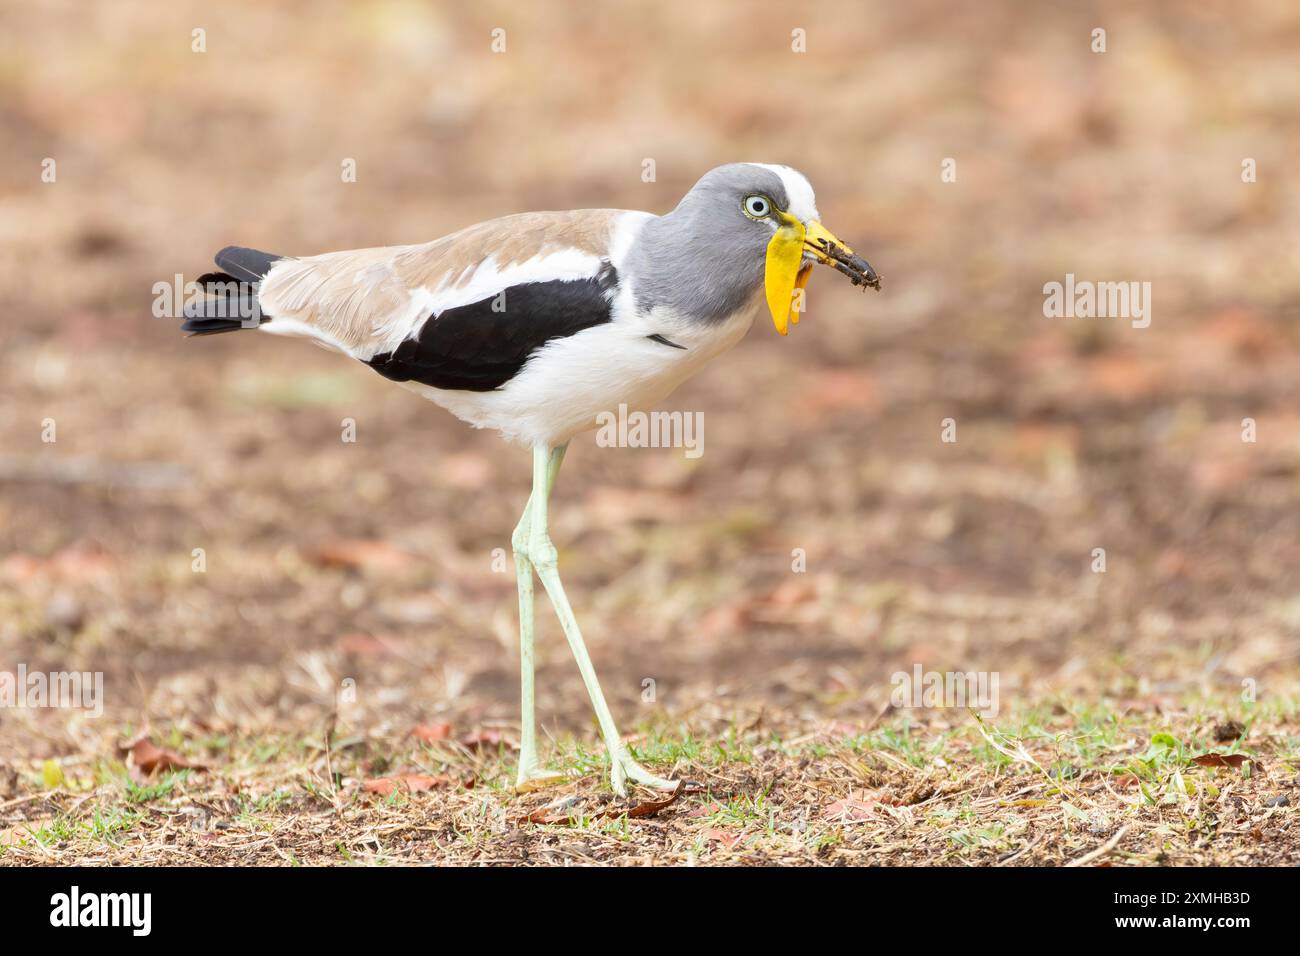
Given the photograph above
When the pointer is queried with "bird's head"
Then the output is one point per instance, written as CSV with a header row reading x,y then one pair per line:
x,y
768,214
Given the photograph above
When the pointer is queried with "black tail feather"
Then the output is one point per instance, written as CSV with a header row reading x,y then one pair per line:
x,y
231,301
248,265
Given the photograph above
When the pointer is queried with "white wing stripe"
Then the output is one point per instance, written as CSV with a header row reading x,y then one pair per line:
x,y
484,282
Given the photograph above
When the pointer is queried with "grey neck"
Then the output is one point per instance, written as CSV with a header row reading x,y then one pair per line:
x,y
678,262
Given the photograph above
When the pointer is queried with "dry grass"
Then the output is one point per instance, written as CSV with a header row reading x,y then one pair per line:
x,y
1051,787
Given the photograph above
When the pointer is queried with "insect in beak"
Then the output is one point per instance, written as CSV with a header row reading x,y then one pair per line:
x,y
790,255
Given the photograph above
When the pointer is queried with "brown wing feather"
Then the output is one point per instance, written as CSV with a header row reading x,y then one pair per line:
x,y
349,296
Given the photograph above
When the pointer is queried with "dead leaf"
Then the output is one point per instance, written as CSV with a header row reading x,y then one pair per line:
x,y
857,806
431,732
149,758
545,817
409,782
1233,761
727,839
650,807
365,645
360,553
556,812
73,564
487,737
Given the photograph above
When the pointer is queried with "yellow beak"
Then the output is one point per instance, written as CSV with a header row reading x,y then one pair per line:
x,y
787,271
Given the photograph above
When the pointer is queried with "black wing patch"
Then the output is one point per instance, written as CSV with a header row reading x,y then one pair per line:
x,y
481,346
662,340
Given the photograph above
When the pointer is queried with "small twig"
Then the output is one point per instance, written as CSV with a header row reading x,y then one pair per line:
x,y
875,721
1019,853
329,752
1101,850
17,800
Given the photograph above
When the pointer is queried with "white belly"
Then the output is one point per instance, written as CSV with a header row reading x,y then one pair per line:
x,y
571,380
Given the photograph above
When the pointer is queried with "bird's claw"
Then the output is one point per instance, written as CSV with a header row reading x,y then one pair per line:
x,y
623,768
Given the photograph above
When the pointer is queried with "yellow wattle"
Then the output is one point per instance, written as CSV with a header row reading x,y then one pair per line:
x,y
784,255
800,282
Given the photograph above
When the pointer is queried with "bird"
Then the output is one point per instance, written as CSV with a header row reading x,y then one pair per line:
x,y
534,324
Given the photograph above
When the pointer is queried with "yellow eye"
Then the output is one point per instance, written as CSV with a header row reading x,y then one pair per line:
x,y
757,207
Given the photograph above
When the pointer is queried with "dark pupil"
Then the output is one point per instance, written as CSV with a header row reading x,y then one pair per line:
x,y
756,205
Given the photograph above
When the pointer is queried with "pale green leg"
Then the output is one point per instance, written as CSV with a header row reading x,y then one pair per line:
x,y
541,555
529,770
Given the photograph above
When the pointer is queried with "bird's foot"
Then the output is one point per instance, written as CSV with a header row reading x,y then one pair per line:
x,y
623,768
532,777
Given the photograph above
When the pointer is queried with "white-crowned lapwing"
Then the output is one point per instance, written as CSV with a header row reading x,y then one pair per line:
x,y
535,324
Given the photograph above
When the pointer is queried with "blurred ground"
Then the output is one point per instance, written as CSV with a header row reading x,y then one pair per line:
x,y
374,560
